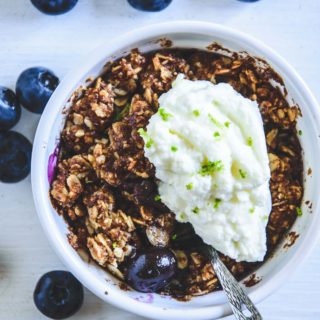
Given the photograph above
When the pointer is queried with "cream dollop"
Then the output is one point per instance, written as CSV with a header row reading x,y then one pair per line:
x,y
209,150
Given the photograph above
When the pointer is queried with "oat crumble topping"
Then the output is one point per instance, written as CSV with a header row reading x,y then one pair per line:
x,y
105,187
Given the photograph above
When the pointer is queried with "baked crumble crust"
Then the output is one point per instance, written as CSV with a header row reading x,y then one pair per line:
x,y
107,191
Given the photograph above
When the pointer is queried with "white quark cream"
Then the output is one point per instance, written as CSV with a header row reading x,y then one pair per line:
x,y
208,146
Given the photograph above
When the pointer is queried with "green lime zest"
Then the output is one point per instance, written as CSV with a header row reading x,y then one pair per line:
x,y
195,210
164,115
157,198
182,216
217,202
299,211
174,148
196,113
249,142
147,140
243,174
227,124
174,237
210,167
189,186
251,210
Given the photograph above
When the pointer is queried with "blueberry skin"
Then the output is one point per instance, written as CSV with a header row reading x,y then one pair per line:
x,y
149,5
10,109
58,294
34,88
151,270
54,7
15,156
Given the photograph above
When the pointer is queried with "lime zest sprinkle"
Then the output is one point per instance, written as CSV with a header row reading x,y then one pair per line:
x,y
217,202
147,140
300,132
189,186
243,174
157,198
195,210
227,124
265,218
299,211
164,115
215,121
210,167
249,141
196,113
174,237
149,143
217,134
114,245
182,216
251,210
174,148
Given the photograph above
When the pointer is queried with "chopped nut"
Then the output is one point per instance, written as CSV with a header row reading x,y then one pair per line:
x,y
274,162
118,252
182,259
157,236
80,133
120,92
77,118
271,136
88,123
100,250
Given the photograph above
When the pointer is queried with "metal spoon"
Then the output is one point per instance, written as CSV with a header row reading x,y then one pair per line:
x,y
236,295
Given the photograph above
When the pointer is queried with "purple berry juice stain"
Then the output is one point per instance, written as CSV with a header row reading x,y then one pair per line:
x,y
52,164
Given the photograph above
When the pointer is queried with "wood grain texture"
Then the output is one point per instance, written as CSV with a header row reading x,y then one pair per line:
x,y
29,38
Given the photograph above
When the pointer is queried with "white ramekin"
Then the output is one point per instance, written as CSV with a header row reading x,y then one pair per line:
x,y
189,35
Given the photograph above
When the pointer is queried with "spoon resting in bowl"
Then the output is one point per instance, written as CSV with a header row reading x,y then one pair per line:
x,y
238,299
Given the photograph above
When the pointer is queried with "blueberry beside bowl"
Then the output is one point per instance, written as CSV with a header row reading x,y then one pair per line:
x,y
54,7
58,295
149,5
34,88
15,156
10,110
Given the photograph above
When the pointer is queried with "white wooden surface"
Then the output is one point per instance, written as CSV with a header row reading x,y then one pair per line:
x,y
29,38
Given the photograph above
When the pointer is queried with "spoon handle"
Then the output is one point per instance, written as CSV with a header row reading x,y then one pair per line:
x,y
236,295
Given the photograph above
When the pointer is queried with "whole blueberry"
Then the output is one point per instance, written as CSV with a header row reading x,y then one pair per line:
x,y
34,88
10,109
58,295
151,270
15,156
149,5
54,7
